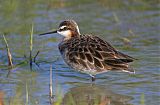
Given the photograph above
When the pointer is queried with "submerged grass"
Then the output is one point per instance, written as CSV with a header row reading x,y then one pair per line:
x,y
59,98
27,96
50,86
142,99
116,18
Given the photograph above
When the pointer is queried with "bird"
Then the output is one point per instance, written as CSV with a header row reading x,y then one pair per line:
x,y
88,53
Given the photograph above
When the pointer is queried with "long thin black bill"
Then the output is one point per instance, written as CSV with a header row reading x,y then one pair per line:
x,y
48,33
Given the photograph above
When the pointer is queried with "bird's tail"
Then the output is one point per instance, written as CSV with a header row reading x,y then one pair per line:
x,y
129,70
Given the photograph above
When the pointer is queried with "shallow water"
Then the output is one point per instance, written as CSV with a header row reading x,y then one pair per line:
x,y
131,26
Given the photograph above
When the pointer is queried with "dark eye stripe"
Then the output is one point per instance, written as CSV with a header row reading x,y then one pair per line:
x,y
62,29
65,28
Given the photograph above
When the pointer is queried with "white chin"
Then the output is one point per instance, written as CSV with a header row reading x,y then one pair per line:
x,y
66,33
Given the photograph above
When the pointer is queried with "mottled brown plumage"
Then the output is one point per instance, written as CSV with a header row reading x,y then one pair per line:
x,y
92,54
89,54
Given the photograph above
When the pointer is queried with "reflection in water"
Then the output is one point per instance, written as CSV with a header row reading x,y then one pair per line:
x,y
93,95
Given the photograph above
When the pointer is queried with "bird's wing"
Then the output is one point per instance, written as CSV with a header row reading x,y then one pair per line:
x,y
111,57
95,53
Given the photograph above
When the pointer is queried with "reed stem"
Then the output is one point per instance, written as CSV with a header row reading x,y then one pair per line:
x,y
10,63
31,46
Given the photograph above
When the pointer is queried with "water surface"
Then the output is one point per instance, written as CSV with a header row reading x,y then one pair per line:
x,y
131,26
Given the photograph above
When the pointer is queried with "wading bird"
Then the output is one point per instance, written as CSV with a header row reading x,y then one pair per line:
x,y
89,54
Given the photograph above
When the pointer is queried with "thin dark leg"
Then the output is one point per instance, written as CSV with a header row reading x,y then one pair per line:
x,y
93,78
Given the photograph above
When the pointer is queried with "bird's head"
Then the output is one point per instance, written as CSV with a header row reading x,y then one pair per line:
x,y
67,28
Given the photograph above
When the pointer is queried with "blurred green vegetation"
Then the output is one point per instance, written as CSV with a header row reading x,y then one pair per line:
x,y
16,16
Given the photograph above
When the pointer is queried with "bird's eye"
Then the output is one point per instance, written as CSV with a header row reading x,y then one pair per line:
x,y
65,28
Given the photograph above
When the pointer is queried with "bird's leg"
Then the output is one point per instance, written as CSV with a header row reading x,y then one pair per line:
x,y
93,78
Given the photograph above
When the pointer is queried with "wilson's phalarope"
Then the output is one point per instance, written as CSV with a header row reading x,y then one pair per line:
x,y
89,54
